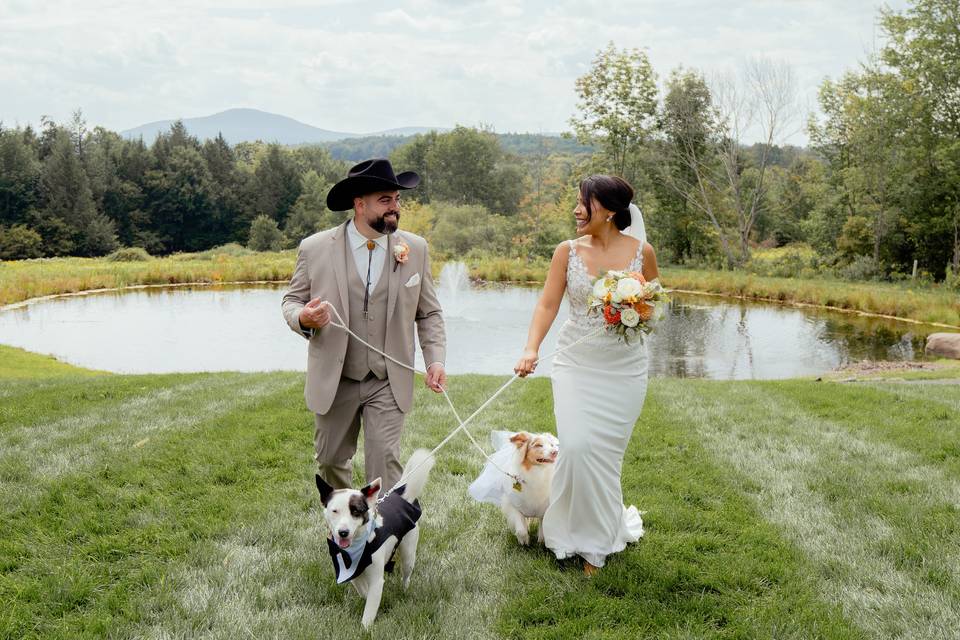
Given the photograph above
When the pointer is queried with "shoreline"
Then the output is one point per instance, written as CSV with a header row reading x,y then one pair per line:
x,y
748,298
26,282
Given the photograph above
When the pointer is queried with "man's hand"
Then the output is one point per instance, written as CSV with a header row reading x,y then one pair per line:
x,y
436,377
315,314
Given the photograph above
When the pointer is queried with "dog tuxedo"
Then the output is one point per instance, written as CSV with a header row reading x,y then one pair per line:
x,y
397,516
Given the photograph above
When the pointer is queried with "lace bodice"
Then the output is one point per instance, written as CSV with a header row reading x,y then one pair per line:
x,y
580,285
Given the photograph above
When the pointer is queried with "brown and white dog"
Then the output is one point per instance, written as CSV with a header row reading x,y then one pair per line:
x,y
533,463
365,534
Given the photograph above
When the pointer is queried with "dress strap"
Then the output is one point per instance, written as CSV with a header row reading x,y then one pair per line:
x,y
573,247
638,258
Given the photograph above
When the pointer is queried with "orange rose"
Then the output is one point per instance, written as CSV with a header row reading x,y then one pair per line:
x,y
645,310
636,275
611,315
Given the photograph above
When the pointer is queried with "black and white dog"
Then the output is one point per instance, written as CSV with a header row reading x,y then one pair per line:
x,y
365,535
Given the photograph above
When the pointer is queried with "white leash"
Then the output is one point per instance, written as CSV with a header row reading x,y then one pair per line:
x,y
462,423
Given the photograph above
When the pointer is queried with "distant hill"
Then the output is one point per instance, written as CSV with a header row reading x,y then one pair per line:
x,y
240,125
247,125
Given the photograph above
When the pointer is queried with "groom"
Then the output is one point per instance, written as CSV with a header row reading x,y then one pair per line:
x,y
378,279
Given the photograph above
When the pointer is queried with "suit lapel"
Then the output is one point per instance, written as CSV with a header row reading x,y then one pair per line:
x,y
340,271
393,280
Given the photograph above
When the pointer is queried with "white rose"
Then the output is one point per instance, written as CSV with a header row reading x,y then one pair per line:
x,y
629,317
628,287
599,288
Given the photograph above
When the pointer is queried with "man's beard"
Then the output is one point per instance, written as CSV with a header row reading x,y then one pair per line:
x,y
382,225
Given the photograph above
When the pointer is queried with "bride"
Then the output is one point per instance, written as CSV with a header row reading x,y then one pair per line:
x,y
599,384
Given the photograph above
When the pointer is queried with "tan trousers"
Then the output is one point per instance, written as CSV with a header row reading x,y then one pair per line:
x,y
370,403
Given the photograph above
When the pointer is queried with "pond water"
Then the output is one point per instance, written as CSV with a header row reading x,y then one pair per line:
x,y
240,328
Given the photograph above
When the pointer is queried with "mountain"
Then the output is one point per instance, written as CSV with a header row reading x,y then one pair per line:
x,y
239,125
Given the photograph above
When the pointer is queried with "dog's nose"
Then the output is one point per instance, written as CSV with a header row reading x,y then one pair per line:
x,y
343,533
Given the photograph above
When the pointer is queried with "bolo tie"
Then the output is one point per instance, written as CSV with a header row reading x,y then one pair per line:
x,y
371,245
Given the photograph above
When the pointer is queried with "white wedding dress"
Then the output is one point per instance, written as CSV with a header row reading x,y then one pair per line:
x,y
599,387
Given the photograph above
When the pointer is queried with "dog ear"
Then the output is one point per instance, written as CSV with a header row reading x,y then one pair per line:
x,y
325,490
520,439
372,490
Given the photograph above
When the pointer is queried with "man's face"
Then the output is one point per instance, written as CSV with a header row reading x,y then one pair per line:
x,y
380,210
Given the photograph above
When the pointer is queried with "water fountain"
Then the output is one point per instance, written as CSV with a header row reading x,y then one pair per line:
x,y
454,282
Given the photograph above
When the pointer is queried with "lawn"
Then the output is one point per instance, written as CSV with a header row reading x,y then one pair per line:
x,y
183,506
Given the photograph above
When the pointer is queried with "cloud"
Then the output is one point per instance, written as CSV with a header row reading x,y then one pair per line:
x,y
346,66
398,18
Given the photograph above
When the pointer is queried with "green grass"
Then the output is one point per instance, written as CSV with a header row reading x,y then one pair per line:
x,y
19,364
182,506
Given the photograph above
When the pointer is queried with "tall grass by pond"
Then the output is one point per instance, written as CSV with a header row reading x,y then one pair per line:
x,y
25,279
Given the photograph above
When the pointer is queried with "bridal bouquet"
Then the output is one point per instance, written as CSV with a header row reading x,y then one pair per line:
x,y
629,304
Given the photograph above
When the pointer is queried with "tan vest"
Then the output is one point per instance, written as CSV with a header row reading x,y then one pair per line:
x,y
359,360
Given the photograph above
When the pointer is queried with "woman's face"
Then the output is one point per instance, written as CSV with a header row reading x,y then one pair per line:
x,y
587,224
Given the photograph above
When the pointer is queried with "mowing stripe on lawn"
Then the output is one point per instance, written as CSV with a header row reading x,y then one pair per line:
x,y
80,553
910,421
31,457
822,483
945,395
45,400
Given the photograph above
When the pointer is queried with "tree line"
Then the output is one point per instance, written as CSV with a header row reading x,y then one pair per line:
x,y
67,190
521,144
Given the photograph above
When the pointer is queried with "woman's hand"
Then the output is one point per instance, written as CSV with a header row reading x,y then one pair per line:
x,y
527,363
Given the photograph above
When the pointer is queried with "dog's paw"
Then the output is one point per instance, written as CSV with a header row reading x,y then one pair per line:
x,y
406,582
523,537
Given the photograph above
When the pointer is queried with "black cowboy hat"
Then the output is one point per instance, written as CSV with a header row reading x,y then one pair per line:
x,y
368,177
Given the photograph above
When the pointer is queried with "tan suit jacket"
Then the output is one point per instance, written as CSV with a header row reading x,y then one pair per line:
x,y
321,272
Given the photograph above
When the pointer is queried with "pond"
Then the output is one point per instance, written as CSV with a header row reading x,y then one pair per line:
x,y
240,328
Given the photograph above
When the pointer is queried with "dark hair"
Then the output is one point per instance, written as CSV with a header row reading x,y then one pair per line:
x,y
612,192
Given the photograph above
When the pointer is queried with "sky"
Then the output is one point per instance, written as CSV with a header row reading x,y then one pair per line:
x,y
369,66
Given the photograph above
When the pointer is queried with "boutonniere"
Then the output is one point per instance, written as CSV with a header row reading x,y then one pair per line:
x,y
400,253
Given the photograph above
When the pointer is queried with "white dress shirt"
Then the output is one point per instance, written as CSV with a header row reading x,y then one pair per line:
x,y
361,255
